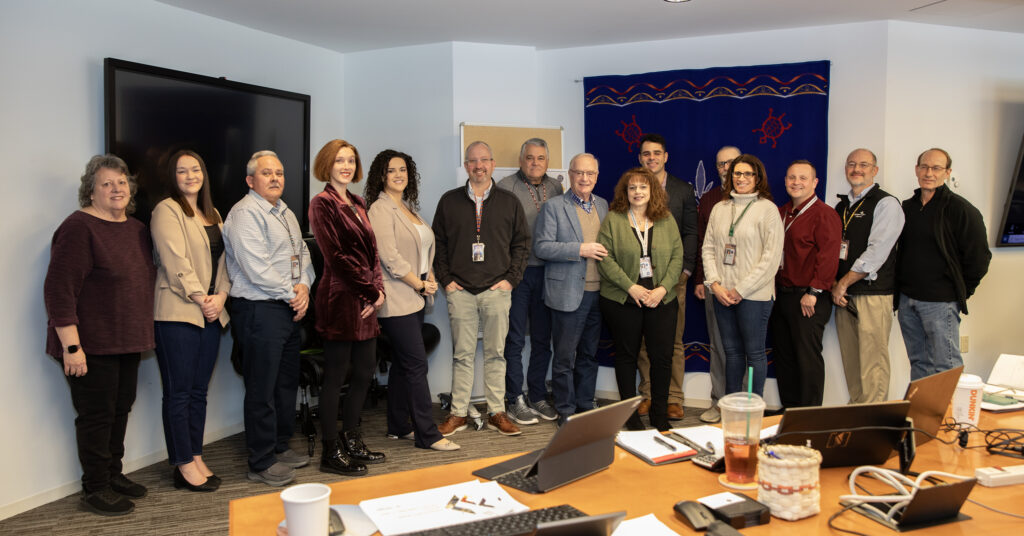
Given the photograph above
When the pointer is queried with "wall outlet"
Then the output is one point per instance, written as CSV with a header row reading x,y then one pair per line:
x,y
964,347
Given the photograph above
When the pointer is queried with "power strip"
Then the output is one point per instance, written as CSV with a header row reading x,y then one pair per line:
x,y
1000,476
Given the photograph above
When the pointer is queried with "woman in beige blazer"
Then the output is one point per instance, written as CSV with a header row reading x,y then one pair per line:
x,y
191,288
405,244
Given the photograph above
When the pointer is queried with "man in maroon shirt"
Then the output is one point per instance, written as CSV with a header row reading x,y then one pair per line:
x,y
810,259
716,356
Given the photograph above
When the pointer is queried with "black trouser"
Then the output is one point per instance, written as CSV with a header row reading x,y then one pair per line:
x,y
343,359
270,367
409,403
629,325
799,367
103,398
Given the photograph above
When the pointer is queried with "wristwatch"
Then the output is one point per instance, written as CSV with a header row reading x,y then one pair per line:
x,y
814,292
73,349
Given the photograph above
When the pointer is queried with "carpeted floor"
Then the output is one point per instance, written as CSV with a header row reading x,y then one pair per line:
x,y
166,510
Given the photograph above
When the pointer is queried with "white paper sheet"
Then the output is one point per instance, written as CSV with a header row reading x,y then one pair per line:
x,y
647,525
438,507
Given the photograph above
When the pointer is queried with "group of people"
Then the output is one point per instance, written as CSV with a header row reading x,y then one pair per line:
x,y
514,257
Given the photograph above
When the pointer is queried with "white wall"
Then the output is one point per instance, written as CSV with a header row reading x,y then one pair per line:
x,y
51,54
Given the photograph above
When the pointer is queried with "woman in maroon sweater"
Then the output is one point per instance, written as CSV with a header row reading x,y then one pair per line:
x,y
99,302
347,298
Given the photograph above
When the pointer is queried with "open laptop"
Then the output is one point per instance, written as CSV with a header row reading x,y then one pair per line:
x,y
584,445
828,428
929,399
930,506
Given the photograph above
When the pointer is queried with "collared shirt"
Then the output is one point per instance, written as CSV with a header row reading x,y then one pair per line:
x,y
587,206
532,197
260,240
473,196
810,252
885,231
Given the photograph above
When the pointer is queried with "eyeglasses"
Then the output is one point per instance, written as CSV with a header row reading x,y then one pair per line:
x,y
743,174
934,169
587,174
859,165
476,161
723,164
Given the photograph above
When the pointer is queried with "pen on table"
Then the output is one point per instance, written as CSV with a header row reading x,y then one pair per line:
x,y
711,447
666,444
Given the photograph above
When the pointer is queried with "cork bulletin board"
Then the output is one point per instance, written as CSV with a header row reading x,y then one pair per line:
x,y
505,141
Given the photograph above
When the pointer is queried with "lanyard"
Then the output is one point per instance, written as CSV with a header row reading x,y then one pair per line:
x,y
642,235
479,214
736,221
281,218
798,214
847,220
543,192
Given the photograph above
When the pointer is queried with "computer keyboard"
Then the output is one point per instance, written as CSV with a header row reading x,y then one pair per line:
x,y
518,480
509,525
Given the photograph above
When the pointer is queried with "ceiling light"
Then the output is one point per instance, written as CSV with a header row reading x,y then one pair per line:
x,y
676,1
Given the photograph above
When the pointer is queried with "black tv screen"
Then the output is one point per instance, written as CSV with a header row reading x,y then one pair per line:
x,y
1011,233
153,112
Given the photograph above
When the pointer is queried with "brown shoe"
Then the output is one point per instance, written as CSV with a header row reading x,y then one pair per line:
x,y
645,407
675,412
452,424
501,423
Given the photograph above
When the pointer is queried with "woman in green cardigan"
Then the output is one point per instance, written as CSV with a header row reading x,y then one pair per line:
x,y
645,257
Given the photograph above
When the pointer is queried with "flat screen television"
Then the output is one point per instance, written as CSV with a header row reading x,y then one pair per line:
x,y
1011,232
153,112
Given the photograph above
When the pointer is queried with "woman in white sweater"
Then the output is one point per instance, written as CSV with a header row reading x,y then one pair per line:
x,y
742,251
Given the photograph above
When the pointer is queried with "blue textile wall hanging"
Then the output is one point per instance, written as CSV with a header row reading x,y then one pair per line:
x,y
778,113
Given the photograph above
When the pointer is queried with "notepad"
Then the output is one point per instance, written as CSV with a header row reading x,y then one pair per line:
x,y
654,448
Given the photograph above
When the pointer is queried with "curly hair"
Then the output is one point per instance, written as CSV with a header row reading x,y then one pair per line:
x,y
657,207
204,201
761,186
324,161
88,185
378,174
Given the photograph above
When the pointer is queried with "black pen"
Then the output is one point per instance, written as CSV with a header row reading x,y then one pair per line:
x,y
666,444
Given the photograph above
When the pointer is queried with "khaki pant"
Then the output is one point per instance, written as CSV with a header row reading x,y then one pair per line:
x,y
675,388
864,345
467,312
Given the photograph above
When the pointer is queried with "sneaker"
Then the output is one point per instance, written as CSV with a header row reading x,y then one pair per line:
x,y
107,502
292,459
453,423
445,445
712,415
501,423
121,484
519,412
544,410
278,474
410,436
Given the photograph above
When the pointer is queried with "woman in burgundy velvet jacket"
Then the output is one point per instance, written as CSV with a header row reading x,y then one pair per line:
x,y
350,292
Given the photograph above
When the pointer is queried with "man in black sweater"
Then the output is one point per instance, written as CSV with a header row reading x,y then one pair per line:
x,y
943,254
481,246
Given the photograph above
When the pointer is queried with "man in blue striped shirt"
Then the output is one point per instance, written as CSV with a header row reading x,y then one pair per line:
x,y
271,274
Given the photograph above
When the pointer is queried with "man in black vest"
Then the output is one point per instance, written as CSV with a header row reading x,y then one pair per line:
x,y
872,220
943,256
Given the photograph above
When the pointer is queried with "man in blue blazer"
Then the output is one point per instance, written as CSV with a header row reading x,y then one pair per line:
x,y
565,238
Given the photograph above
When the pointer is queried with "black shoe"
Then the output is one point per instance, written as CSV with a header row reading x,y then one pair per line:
x,y
356,449
661,423
107,502
634,423
126,487
180,482
334,460
214,479
562,419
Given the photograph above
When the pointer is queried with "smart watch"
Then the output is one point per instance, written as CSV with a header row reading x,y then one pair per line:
x,y
73,349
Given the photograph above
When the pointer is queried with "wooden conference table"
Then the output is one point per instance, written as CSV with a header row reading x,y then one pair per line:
x,y
632,485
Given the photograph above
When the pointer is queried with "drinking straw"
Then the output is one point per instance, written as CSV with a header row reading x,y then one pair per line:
x,y
750,389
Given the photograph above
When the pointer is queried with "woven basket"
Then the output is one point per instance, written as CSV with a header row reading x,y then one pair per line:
x,y
787,478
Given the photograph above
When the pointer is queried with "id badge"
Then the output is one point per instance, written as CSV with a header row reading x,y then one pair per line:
x,y
296,271
478,252
645,267
729,258
844,249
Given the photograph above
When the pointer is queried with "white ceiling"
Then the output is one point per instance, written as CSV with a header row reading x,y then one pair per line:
x,y
355,25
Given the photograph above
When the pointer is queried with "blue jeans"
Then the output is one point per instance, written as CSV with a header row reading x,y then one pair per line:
x,y
186,354
574,366
931,331
743,327
528,308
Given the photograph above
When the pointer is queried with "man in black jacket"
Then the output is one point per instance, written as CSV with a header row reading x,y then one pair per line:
x,y
943,254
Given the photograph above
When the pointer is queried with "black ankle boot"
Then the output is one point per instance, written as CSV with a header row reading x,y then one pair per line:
x,y
634,423
334,460
356,449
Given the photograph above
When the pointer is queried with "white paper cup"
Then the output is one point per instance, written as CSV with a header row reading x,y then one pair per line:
x,y
306,509
967,399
